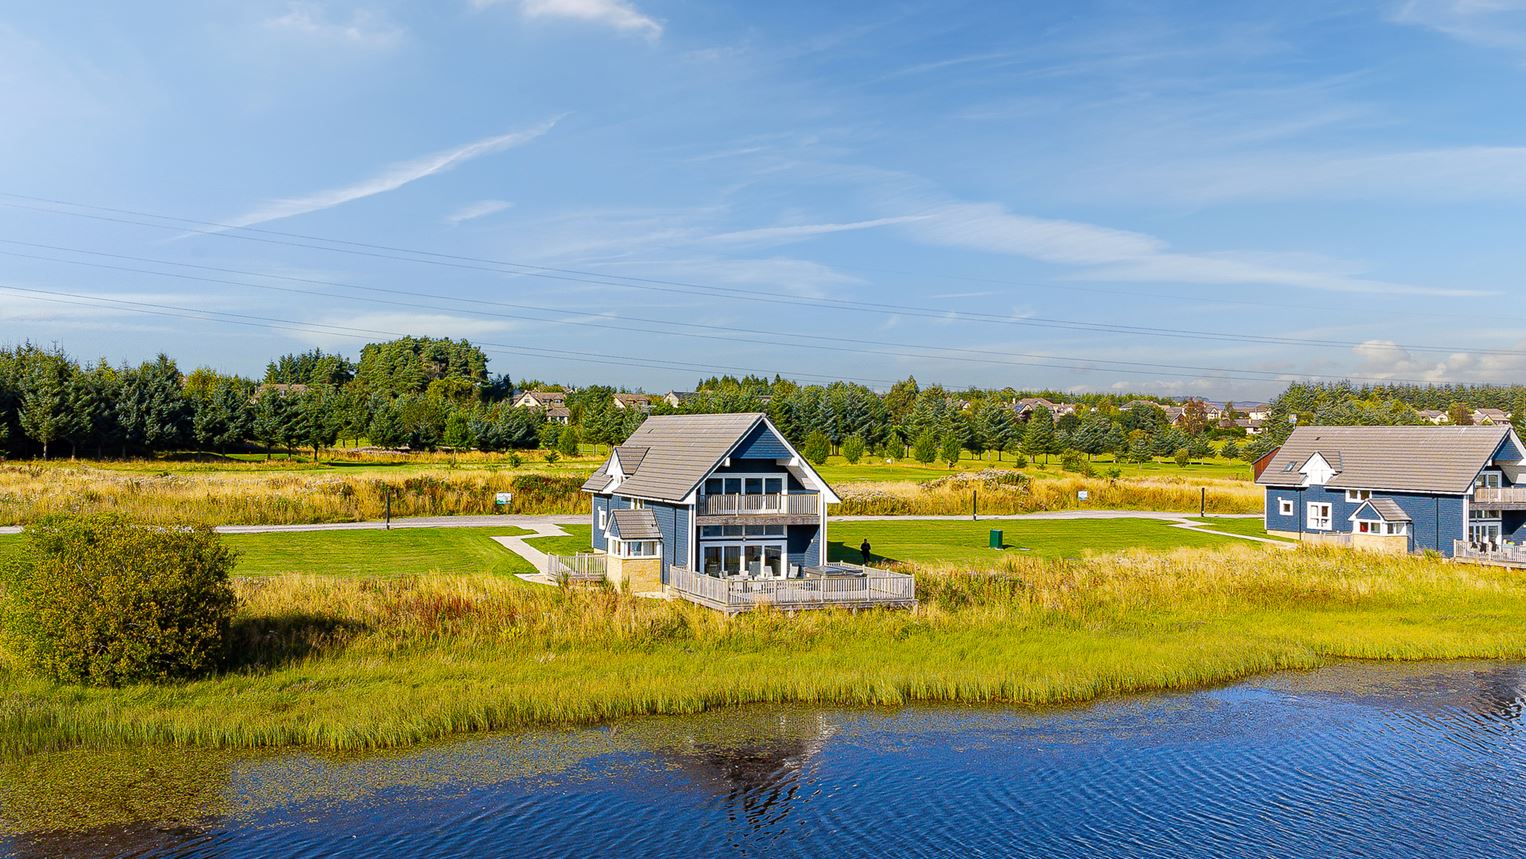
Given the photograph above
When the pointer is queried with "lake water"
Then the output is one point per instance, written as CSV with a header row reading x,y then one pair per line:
x,y
1357,759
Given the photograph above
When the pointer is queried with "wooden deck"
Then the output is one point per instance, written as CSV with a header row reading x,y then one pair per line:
x,y
869,588
1494,555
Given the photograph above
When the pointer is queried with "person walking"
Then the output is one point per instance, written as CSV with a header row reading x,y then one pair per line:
x,y
864,550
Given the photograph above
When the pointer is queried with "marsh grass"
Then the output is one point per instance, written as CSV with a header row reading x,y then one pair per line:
x,y
1042,493
29,492
361,663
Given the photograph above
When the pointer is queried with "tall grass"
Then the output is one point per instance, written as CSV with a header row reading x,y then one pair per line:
x,y
29,491
953,497
364,664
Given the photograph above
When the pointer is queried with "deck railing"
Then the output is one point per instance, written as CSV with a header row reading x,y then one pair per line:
x,y
1500,495
582,567
874,587
793,504
1507,553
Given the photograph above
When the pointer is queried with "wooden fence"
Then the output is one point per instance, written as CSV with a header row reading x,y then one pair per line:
x,y
873,588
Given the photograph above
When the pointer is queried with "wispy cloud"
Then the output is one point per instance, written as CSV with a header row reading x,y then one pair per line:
x,y
392,178
619,14
473,211
1493,23
775,235
363,28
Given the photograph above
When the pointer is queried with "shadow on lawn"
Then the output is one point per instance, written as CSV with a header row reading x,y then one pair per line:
x,y
264,643
848,552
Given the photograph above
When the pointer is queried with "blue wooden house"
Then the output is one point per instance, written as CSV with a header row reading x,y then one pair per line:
x,y
724,496
1455,490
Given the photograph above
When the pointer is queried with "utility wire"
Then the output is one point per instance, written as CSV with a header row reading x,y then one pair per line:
x,y
812,341
212,228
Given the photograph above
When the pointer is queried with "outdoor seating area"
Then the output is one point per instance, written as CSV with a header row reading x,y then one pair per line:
x,y
831,585
1504,553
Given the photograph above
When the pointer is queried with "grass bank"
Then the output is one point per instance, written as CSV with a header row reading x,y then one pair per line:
x,y
359,663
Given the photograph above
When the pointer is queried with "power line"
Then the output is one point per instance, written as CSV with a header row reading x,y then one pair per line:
x,y
174,311
814,342
212,228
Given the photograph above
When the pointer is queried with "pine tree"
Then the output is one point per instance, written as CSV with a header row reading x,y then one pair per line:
x,y
1039,438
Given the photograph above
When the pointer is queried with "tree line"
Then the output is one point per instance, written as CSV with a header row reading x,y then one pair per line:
x,y
426,394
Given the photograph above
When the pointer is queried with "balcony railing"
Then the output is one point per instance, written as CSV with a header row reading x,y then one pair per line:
x,y
867,589
1500,495
793,504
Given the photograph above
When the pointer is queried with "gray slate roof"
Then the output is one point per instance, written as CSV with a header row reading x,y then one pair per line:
x,y
598,480
635,525
630,456
681,450
1387,508
1442,460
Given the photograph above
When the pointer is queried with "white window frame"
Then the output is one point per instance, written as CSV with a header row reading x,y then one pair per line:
x,y
603,519
1396,529
781,476
1316,516
742,546
1285,507
1488,479
1357,496
635,548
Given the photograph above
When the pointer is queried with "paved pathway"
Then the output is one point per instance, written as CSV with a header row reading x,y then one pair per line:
x,y
530,522
536,557
1055,514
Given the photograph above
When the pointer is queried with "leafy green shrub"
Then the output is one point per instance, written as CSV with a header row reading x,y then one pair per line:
x,y
853,448
1075,460
817,447
97,599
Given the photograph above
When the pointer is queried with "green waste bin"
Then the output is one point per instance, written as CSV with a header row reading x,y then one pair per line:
x,y
996,538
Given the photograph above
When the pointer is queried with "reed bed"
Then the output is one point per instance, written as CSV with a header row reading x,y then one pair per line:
x,y
29,492
1042,493
344,663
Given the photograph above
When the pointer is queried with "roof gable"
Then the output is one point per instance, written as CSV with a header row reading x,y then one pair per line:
x,y
1380,510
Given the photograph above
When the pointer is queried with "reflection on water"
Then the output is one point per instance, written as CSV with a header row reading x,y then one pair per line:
x,y
1419,759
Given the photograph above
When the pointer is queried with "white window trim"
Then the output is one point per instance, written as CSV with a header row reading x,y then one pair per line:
x,y
742,546
1285,507
603,519
1315,516
727,475
1357,496
631,548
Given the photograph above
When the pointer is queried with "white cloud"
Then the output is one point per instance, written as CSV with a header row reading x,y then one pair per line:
x,y
1493,23
618,14
480,209
363,28
392,178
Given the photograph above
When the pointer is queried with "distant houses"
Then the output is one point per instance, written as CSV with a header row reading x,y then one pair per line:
x,y
552,403
634,402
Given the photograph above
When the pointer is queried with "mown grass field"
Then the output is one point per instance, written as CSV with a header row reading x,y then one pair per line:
x,y
343,662
1250,527
867,469
579,539
379,554
943,541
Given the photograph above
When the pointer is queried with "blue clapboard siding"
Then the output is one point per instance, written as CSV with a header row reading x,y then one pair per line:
x,y
1436,520
600,503
761,443
672,521
804,545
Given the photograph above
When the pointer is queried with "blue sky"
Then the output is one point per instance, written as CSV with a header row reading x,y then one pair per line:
x,y
1036,195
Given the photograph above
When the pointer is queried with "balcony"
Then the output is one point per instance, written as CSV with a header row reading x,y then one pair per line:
x,y
796,508
1499,498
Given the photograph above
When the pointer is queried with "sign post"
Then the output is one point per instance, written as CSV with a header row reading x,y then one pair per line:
x,y
503,500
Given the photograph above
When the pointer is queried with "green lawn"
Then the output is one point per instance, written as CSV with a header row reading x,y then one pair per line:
x,y
965,542
10,544
399,552
578,540
1251,527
